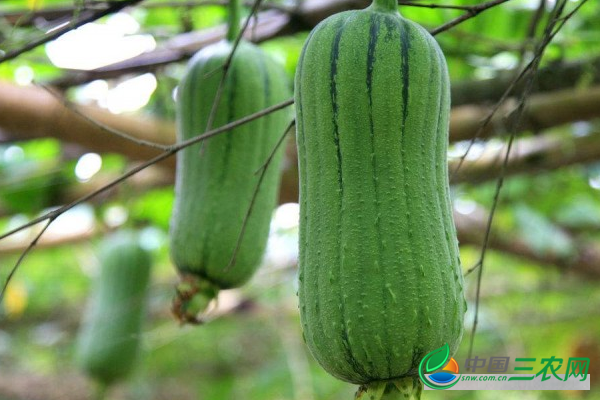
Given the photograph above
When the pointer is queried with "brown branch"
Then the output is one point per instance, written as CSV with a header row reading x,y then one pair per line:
x,y
48,241
525,72
543,111
526,76
151,178
33,113
67,192
84,18
555,76
167,154
471,229
73,108
24,18
534,155
270,24
51,216
275,23
30,113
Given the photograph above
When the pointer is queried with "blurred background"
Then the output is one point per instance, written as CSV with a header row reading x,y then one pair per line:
x,y
539,290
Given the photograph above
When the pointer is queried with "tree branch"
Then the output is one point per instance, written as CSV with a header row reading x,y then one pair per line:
x,y
555,76
530,156
47,241
24,18
543,111
84,18
73,108
27,113
50,216
30,113
534,155
471,229
271,24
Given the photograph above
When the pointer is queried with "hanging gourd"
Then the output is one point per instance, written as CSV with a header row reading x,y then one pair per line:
x,y
109,338
380,282
216,179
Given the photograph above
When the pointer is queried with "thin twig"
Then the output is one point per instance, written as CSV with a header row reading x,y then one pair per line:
x,y
434,6
509,90
263,173
51,216
547,38
471,12
226,66
488,230
170,152
73,108
201,3
55,13
22,257
268,161
535,21
89,17
151,61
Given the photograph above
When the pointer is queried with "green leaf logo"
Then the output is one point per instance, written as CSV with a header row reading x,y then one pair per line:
x,y
437,358
432,362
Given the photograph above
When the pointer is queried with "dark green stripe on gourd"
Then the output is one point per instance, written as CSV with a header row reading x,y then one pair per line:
x,y
109,338
380,279
216,180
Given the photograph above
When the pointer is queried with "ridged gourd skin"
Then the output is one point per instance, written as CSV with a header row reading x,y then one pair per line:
x,y
380,282
216,179
109,338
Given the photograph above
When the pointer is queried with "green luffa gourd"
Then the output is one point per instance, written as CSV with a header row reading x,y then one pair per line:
x,y
216,179
380,283
109,338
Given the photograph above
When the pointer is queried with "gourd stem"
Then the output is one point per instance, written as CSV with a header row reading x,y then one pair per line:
x,y
193,297
233,29
385,5
407,388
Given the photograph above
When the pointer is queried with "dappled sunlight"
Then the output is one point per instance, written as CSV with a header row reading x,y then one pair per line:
x,y
95,45
87,166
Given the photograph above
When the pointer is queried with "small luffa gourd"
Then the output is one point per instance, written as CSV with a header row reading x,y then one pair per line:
x,y
110,333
